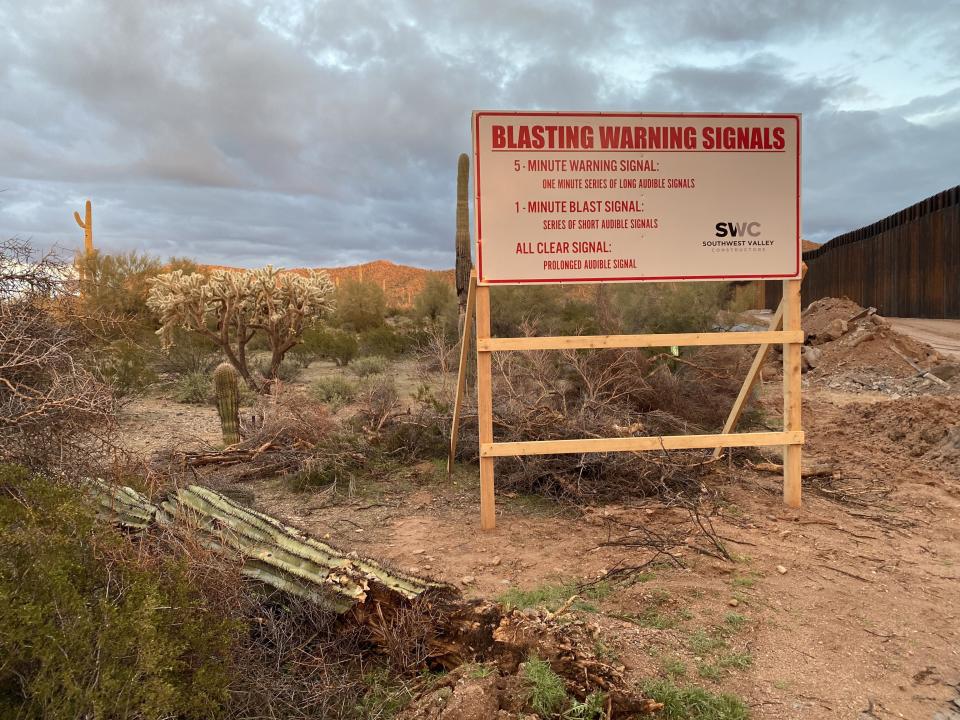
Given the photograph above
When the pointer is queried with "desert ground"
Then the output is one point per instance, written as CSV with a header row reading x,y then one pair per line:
x,y
846,608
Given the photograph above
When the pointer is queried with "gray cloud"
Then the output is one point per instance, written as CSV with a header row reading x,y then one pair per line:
x,y
327,133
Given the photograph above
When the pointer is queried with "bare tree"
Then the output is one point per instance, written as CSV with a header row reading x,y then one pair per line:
x,y
52,408
231,307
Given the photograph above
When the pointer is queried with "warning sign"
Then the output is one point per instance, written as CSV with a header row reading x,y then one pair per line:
x,y
595,197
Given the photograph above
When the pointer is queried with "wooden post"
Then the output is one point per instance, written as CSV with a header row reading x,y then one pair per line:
x,y
488,518
791,394
752,374
462,372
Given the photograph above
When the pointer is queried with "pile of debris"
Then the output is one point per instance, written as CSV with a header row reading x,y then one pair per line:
x,y
855,349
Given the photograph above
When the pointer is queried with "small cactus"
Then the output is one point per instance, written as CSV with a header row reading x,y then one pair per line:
x,y
226,384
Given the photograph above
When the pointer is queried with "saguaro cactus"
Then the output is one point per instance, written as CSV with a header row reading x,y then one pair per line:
x,y
87,225
226,384
464,264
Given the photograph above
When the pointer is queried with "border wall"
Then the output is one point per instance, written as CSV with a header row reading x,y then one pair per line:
x,y
905,265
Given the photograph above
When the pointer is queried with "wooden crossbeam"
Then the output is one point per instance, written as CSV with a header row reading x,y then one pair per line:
x,y
574,342
639,444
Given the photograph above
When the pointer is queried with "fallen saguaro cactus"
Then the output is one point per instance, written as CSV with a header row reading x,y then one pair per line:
x,y
287,558
272,553
383,600
122,505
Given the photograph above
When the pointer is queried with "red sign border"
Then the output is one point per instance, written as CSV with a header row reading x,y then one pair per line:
x,y
553,281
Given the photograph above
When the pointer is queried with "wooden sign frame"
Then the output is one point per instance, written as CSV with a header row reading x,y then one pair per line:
x,y
791,438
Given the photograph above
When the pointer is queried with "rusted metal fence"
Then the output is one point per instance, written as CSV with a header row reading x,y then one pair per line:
x,y
906,265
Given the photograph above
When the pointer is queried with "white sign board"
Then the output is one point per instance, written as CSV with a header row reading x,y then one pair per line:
x,y
599,197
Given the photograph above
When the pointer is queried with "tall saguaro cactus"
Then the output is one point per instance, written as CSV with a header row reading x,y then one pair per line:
x,y
464,264
87,225
226,384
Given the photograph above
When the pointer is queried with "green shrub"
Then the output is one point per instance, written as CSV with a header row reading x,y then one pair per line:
x,y
287,371
114,288
547,691
334,390
360,306
384,341
367,366
336,345
301,355
190,352
194,388
694,703
125,366
669,307
437,301
552,310
93,626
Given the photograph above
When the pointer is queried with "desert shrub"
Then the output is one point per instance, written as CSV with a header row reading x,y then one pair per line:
x,y
607,393
189,353
360,306
669,307
384,341
741,298
378,400
287,371
301,355
371,365
116,287
94,626
437,301
194,388
290,418
337,345
334,390
551,310
125,365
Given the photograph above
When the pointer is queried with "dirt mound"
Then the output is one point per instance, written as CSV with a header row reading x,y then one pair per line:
x,y
907,437
926,428
853,348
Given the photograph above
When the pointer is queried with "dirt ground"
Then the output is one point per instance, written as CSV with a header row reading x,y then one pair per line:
x,y
847,608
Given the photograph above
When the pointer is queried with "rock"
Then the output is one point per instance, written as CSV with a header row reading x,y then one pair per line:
x,y
421,551
781,569
475,700
468,579
496,561
814,356
879,321
946,372
733,602
836,329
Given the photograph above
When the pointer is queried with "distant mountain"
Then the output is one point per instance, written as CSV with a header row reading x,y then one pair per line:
x,y
400,283
808,245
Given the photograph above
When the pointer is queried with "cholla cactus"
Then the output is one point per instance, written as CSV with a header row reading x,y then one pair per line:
x,y
228,401
230,307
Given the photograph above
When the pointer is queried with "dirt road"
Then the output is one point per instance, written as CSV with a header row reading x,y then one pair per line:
x,y
942,335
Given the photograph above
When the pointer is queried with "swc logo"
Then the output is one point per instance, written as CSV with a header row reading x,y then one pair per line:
x,y
737,229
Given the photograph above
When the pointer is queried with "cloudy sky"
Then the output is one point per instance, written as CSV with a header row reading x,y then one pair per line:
x,y
327,133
